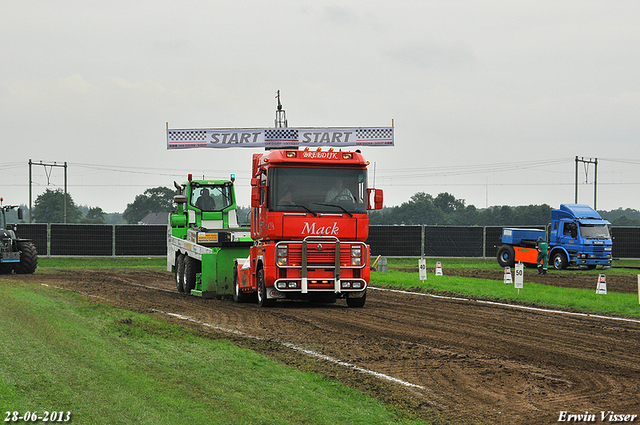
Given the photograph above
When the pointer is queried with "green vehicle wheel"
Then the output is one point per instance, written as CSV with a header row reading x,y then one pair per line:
x,y
179,273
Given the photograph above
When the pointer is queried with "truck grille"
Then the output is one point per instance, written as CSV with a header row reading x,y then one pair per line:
x,y
321,253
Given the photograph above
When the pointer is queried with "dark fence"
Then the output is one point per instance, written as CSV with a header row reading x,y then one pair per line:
x,y
391,241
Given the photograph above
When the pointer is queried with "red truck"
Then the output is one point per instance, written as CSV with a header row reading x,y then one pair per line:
x,y
309,223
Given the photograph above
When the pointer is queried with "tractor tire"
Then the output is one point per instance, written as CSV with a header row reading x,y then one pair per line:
x,y
179,273
357,302
28,259
506,256
559,261
191,268
263,301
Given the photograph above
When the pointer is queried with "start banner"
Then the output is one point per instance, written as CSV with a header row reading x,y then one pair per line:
x,y
279,137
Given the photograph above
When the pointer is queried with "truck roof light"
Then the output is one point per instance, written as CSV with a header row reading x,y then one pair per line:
x,y
291,154
330,149
347,155
307,148
319,149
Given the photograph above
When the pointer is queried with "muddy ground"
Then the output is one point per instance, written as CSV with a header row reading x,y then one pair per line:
x,y
459,362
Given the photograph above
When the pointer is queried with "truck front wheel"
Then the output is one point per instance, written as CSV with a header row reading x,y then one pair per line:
x,y
506,256
357,302
238,295
263,301
559,261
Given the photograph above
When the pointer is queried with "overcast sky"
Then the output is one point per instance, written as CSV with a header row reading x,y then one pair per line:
x,y
491,100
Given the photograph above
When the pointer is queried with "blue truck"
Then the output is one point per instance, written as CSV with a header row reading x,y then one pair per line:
x,y
577,236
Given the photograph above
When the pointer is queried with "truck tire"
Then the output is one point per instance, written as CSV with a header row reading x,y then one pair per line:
x,y
559,261
28,259
357,302
238,295
191,268
506,256
179,273
262,291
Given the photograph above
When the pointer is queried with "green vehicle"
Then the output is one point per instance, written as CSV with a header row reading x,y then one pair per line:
x,y
16,254
204,239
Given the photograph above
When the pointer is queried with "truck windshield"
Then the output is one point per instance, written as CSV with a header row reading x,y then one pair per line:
x,y
318,190
594,231
211,197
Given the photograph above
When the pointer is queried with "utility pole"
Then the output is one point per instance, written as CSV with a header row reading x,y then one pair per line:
x,y
48,177
595,178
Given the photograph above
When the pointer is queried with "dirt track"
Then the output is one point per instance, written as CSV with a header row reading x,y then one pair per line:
x,y
468,362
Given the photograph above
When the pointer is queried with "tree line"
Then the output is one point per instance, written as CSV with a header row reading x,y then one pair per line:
x,y
445,209
420,209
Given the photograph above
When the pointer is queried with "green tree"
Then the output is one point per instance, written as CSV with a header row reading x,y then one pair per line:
x,y
154,200
95,215
49,208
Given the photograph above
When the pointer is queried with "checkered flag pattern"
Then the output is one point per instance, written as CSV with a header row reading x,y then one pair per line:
x,y
276,134
374,134
187,136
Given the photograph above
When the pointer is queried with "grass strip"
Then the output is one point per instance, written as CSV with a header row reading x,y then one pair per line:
x,y
56,263
61,352
585,300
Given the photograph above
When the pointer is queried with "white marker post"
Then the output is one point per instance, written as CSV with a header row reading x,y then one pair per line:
x,y
508,280
422,268
602,285
438,268
519,276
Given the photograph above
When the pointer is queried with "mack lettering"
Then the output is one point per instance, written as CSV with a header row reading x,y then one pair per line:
x,y
310,229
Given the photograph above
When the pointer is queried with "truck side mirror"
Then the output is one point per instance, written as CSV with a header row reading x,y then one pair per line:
x,y
377,199
20,214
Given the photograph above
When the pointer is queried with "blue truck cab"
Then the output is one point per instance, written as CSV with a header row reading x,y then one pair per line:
x,y
579,236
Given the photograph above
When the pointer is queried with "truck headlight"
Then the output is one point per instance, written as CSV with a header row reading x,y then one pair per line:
x,y
356,255
281,255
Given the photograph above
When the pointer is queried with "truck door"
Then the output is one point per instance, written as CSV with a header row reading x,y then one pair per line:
x,y
569,234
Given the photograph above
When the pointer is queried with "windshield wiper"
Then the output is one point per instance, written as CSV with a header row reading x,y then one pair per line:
x,y
336,205
301,206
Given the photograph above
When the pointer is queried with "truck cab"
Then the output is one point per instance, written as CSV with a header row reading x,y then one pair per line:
x,y
579,236
310,221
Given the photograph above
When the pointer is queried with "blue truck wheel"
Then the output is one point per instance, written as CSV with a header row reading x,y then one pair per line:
x,y
559,261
